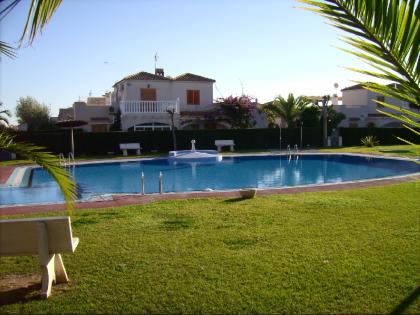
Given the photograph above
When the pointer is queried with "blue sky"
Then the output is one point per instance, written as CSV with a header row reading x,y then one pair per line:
x,y
265,47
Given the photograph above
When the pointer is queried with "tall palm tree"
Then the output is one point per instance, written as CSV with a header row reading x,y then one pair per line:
x,y
40,12
385,34
288,110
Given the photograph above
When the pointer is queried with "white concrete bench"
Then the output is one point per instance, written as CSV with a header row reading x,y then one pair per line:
x,y
130,146
45,237
224,143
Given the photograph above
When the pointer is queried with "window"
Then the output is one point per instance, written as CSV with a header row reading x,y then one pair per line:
x,y
193,97
153,126
380,98
148,94
99,128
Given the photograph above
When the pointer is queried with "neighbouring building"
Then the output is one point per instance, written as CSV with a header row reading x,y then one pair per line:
x,y
361,110
144,99
96,112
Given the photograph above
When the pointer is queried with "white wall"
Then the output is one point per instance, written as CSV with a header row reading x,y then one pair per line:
x,y
92,114
360,104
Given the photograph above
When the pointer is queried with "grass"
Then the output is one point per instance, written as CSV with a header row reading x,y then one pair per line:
x,y
412,151
353,251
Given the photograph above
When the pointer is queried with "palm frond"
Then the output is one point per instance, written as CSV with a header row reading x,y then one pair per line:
x,y
48,161
40,13
385,34
7,50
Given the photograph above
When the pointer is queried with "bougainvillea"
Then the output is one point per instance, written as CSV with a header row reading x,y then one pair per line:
x,y
238,111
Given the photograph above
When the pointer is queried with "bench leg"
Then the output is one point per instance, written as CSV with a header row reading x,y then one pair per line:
x,y
138,151
60,271
231,148
219,148
48,277
125,152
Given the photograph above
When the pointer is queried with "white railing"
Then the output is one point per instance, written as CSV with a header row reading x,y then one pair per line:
x,y
135,107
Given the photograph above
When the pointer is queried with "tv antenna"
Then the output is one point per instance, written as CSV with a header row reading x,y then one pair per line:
x,y
156,59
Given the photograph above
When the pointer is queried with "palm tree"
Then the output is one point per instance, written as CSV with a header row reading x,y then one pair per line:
x,y
3,116
288,110
40,12
385,34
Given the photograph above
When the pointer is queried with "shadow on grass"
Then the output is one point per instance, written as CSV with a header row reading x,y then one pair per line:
x,y
394,151
20,295
400,308
234,200
178,223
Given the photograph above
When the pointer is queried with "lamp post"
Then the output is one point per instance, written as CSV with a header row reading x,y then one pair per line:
x,y
171,111
301,134
278,122
324,101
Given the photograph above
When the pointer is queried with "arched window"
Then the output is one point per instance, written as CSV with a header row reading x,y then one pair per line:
x,y
152,126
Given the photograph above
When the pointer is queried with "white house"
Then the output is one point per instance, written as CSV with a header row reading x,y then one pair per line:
x,y
95,112
144,100
361,110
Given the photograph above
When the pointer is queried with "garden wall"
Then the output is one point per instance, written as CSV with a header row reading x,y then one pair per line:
x,y
245,139
161,141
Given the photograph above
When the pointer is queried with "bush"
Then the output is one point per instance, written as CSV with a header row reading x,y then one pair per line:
x,y
369,141
90,143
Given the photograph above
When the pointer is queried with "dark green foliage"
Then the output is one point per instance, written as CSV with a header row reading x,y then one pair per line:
x,y
310,116
34,114
116,126
385,136
161,141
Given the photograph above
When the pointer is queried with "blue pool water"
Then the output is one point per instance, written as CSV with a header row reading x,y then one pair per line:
x,y
230,173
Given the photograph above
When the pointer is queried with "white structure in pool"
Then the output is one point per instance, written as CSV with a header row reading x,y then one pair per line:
x,y
361,111
194,155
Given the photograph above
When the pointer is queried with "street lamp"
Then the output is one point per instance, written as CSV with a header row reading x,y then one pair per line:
x,y
278,122
301,134
171,111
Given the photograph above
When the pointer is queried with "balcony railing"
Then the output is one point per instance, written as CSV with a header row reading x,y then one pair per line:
x,y
138,107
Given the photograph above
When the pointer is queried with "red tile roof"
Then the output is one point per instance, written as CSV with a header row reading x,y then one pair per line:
x,y
192,77
144,76
153,77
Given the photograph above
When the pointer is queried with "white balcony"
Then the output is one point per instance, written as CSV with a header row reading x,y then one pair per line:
x,y
148,107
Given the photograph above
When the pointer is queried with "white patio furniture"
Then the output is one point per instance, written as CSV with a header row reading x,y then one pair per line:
x,y
130,146
46,237
224,143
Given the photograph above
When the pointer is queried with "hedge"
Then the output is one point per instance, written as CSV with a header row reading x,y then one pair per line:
x,y
245,139
90,143
386,136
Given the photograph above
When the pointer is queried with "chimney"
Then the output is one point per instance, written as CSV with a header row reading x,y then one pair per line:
x,y
159,72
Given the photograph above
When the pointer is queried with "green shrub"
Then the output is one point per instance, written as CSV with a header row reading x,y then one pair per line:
x,y
370,141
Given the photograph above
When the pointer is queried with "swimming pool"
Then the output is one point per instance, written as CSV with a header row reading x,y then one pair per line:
x,y
232,172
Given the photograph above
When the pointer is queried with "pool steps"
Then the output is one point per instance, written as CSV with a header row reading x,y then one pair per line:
x,y
19,177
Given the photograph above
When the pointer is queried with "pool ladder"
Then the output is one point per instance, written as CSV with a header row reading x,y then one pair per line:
x,y
295,151
66,162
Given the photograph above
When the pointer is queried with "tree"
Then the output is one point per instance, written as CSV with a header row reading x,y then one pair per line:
x,y
116,125
385,34
39,14
237,111
288,110
33,113
3,116
311,117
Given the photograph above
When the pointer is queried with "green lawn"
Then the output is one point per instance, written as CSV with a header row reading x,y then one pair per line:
x,y
355,251
394,150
